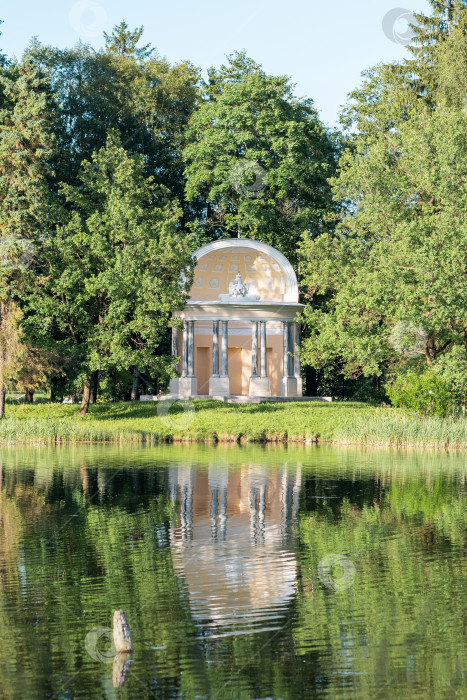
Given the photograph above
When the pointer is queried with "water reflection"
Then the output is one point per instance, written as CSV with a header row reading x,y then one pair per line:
x,y
214,554
234,545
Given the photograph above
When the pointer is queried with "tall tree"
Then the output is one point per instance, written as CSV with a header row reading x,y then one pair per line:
x,y
3,58
11,347
391,282
126,88
258,159
37,367
26,147
111,272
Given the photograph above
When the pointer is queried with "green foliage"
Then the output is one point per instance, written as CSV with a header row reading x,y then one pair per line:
x,y
3,58
111,272
26,149
258,159
452,368
123,87
37,367
398,255
426,392
239,155
115,384
11,346
124,42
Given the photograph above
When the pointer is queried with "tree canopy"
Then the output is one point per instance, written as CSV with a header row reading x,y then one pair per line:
x,y
258,159
115,165
111,273
395,265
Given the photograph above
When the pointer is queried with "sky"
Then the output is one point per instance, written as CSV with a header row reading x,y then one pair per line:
x,y
322,46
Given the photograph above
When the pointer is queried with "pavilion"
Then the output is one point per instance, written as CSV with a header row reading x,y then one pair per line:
x,y
240,337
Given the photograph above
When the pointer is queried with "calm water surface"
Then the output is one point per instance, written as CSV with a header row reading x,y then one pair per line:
x,y
244,572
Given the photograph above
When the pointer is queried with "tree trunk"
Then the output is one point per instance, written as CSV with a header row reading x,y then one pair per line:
x,y
94,387
53,394
376,382
430,350
2,399
29,397
134,388
86,396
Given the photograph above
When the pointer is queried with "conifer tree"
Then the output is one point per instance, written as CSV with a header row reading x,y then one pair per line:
x,y
430,31
26,145
3,58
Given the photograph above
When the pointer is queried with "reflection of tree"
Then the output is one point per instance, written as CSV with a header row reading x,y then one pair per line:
x,y
405,601
23,508
61,575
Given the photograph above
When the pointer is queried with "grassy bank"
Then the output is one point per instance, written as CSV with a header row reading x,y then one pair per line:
x,y
204,420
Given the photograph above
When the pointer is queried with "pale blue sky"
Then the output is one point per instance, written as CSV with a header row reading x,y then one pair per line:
x,y
323,46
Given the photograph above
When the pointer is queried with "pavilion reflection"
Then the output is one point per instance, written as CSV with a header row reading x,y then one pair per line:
x,y
233,543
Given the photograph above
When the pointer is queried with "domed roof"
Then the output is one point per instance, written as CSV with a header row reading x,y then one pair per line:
x,y
267,272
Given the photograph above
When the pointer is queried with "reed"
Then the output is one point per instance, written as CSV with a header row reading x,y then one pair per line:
x,y
213,421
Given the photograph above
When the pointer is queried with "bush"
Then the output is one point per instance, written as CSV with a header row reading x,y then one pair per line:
x,y
452,368
425,392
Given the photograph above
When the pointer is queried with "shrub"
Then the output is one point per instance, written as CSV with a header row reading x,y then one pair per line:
x,y
424,392
452,368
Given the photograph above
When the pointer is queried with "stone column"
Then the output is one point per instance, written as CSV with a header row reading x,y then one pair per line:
x,y
290,357
254,348
219,385
288,382
215,349
297,366
173,384
285,357
225,349
191,348
185,350
259,386
174,342
188,384
264,369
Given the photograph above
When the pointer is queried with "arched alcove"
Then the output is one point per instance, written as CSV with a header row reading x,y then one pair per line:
x,y
264,269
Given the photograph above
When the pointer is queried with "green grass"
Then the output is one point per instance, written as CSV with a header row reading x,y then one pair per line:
x,y
142,423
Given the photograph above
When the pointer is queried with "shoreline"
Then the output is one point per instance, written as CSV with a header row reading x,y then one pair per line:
x,y
212,422
240,441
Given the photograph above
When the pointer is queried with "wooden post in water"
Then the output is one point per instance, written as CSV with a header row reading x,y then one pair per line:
x,y
122,638
121,668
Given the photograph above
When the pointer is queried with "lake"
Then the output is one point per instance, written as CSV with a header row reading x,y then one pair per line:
x,y
245,572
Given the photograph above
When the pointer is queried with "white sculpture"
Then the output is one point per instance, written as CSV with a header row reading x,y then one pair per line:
x,y
237,288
